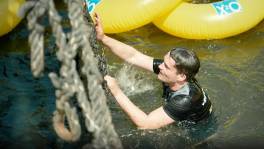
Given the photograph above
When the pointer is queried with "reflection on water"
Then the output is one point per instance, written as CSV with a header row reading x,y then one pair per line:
x,y
232,72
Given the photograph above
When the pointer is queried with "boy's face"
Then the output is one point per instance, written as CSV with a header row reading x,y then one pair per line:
x,y
168,71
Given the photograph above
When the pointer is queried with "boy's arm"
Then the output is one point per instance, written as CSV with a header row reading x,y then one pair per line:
x,y
124,51
156,119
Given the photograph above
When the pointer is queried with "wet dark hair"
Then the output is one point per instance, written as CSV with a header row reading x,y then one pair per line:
x,y
186,61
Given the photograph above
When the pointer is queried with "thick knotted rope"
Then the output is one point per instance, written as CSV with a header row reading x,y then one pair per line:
x,y
69,86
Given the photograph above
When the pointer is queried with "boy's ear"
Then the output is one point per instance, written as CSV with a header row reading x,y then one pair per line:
x,y
182,77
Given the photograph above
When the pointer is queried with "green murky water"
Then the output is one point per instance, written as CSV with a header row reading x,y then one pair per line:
x,y
232,72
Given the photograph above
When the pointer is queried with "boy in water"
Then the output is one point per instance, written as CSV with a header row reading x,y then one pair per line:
x,y
184,97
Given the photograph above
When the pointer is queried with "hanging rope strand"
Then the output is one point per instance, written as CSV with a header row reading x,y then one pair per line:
x,y
68,84
36,38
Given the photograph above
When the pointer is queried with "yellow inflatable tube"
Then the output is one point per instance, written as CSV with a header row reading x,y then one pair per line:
x,y
212,21
124,15
8,15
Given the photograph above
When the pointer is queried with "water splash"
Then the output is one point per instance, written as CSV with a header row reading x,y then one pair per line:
x,y
132,81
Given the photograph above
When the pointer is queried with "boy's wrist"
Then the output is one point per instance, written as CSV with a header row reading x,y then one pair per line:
x,y
103,39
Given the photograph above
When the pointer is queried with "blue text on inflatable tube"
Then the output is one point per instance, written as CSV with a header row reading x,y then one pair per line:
x,y
90,5
227,7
